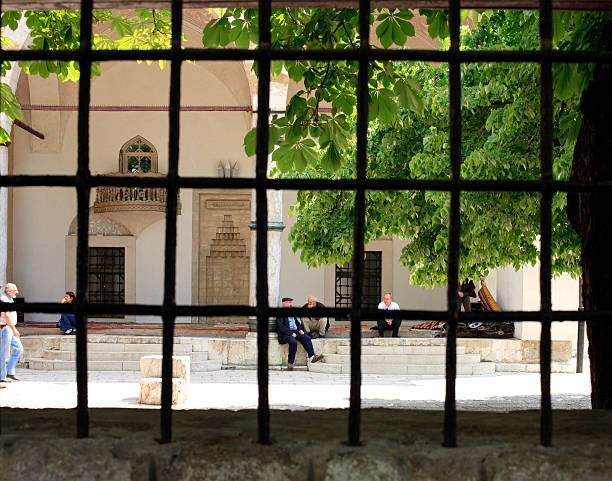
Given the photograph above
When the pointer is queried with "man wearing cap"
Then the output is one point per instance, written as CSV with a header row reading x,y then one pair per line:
x,y
290,332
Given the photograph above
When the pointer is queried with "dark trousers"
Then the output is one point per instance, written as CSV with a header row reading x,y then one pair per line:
x,y
304,341
465,301
67,321
383,326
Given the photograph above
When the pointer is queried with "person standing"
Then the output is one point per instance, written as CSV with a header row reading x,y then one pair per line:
x,y
388,324
7,371
5,343
67,322
466,290
290,331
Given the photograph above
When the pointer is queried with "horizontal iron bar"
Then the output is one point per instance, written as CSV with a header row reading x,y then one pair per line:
x,y
129,180
246,311
505,56
152,108
425,4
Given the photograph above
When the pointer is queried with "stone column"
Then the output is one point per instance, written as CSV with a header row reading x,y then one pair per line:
x,y
275,228
3,212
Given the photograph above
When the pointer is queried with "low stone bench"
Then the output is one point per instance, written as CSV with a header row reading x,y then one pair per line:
x,y
151,381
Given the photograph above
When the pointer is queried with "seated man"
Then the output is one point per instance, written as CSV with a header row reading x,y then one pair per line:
x,y
67,322
290,332
315,326
388,324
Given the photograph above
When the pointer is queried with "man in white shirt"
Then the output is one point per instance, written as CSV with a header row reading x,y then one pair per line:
x,y
388,324
7,372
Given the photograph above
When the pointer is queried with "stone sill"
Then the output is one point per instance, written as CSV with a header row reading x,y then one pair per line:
x,y
214,445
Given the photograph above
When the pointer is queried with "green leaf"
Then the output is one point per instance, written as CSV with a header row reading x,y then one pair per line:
x,y
408,96
332,160
250,142
384,32
9,104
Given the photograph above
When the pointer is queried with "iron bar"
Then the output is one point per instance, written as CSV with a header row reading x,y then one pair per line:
x,y
83,189
454,229
261,220
354,418
307,184
29,129
426,4
463,56
246,311
546,93
580,347
170,243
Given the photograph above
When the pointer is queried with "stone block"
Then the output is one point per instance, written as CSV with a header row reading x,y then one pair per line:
x,y
150,391
151,367
236,352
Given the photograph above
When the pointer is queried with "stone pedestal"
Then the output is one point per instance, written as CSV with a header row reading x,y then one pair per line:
x,y
151,388
151,381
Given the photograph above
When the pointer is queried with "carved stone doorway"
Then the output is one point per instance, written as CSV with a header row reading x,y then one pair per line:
x,y
221,249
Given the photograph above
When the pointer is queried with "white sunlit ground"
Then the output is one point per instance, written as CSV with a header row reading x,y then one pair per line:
x,y
237,389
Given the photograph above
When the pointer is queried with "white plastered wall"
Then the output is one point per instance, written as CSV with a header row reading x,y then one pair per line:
x,y
520,290
41,217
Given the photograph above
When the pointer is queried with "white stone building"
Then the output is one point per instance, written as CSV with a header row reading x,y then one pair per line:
x,y
38,245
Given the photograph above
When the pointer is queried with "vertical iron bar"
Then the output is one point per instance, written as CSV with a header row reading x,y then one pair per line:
x,y
580,348
83,189
545,218
454,229
580,340
261,220
354,425
169,305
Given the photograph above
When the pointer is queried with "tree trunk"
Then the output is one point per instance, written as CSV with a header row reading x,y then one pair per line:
x,y
591,216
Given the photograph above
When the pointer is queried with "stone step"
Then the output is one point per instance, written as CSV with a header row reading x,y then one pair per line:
x,y
205,366
386,350
418,359
113,355
128,347
411,369
556,367
59,365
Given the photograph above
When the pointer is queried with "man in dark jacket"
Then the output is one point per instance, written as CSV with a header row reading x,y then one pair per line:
x,y
315,326
290,332
464,292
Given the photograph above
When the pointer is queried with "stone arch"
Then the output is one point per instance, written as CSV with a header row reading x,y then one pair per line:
x,y
100,225
124,153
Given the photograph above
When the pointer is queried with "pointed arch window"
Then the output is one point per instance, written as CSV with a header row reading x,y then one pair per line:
x,y
138,156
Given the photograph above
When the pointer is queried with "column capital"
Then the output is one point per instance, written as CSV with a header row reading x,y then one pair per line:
x,y
274,226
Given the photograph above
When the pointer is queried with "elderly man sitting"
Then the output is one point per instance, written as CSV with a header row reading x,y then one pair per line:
x,y
315,326
290,332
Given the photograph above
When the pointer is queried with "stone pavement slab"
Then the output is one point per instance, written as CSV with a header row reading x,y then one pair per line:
x,y
301,390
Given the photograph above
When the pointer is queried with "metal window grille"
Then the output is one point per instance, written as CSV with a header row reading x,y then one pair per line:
x,y
83,181
106,280
372,274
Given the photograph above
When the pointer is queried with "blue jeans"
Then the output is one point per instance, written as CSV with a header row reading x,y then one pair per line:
x,y
67,321
17,350
5,342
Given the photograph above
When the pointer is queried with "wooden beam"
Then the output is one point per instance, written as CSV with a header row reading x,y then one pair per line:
x,y
433,4
29,129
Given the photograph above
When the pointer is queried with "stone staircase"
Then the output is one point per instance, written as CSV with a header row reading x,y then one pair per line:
x,y
400,356
120,353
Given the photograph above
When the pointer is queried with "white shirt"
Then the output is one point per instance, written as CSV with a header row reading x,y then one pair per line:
x,y
391,307
11,314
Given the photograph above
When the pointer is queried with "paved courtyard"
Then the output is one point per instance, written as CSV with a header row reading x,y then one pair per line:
x,y
298,390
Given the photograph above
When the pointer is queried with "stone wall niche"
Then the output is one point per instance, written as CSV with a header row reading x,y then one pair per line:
x,y
221,250
227,266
